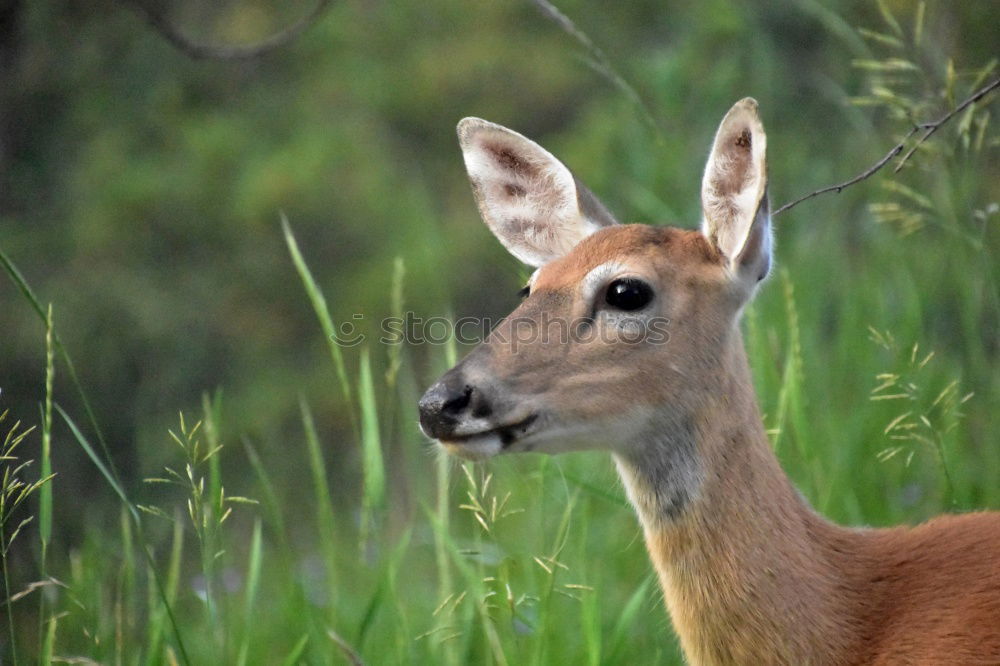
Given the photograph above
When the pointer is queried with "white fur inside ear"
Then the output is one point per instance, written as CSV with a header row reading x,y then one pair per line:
x,y
735,181
527,197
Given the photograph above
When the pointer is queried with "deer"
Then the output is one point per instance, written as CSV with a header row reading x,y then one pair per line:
x,y
750,573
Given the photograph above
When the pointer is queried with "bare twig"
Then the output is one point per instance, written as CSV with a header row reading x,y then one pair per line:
x,y
153,13
599,61
928,128
867,173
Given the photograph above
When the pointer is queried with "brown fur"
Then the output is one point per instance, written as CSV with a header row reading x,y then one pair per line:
x,y
750,574
514,190
508,160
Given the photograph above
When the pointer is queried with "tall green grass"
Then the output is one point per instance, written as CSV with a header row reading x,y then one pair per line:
x,y
524,561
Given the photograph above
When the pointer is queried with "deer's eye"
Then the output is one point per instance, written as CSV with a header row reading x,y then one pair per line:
x,y
628,294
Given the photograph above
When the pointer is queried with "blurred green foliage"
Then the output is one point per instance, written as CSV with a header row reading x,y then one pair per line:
x,y
141,194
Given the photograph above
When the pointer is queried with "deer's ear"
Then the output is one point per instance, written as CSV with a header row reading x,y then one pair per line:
x,y
528,198
734,193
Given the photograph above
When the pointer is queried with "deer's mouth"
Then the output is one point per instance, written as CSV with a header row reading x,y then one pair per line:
x,y
487,443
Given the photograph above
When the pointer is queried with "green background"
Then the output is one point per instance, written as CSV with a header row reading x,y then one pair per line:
x,y
141,193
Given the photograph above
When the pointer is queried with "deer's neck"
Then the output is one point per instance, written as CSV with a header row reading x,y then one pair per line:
x,y
749,573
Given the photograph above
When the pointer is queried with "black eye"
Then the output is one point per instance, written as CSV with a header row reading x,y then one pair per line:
x,y
628,294
524,291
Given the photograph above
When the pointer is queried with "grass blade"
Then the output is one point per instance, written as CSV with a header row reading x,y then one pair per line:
x,y
293,657
157,612
253,568
101,467
134,512
29,294
623,627
250,595
48,643
373,467
212,409
324,505
318,301
270,502
396,345
350,654
45,492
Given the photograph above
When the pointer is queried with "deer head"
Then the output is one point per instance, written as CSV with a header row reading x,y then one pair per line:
x,y
625,329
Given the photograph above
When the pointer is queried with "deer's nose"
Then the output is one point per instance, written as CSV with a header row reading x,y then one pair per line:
x,y
448,403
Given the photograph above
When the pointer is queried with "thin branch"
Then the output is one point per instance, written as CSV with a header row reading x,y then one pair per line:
x,y
929,128
867,173
155,16
599,61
